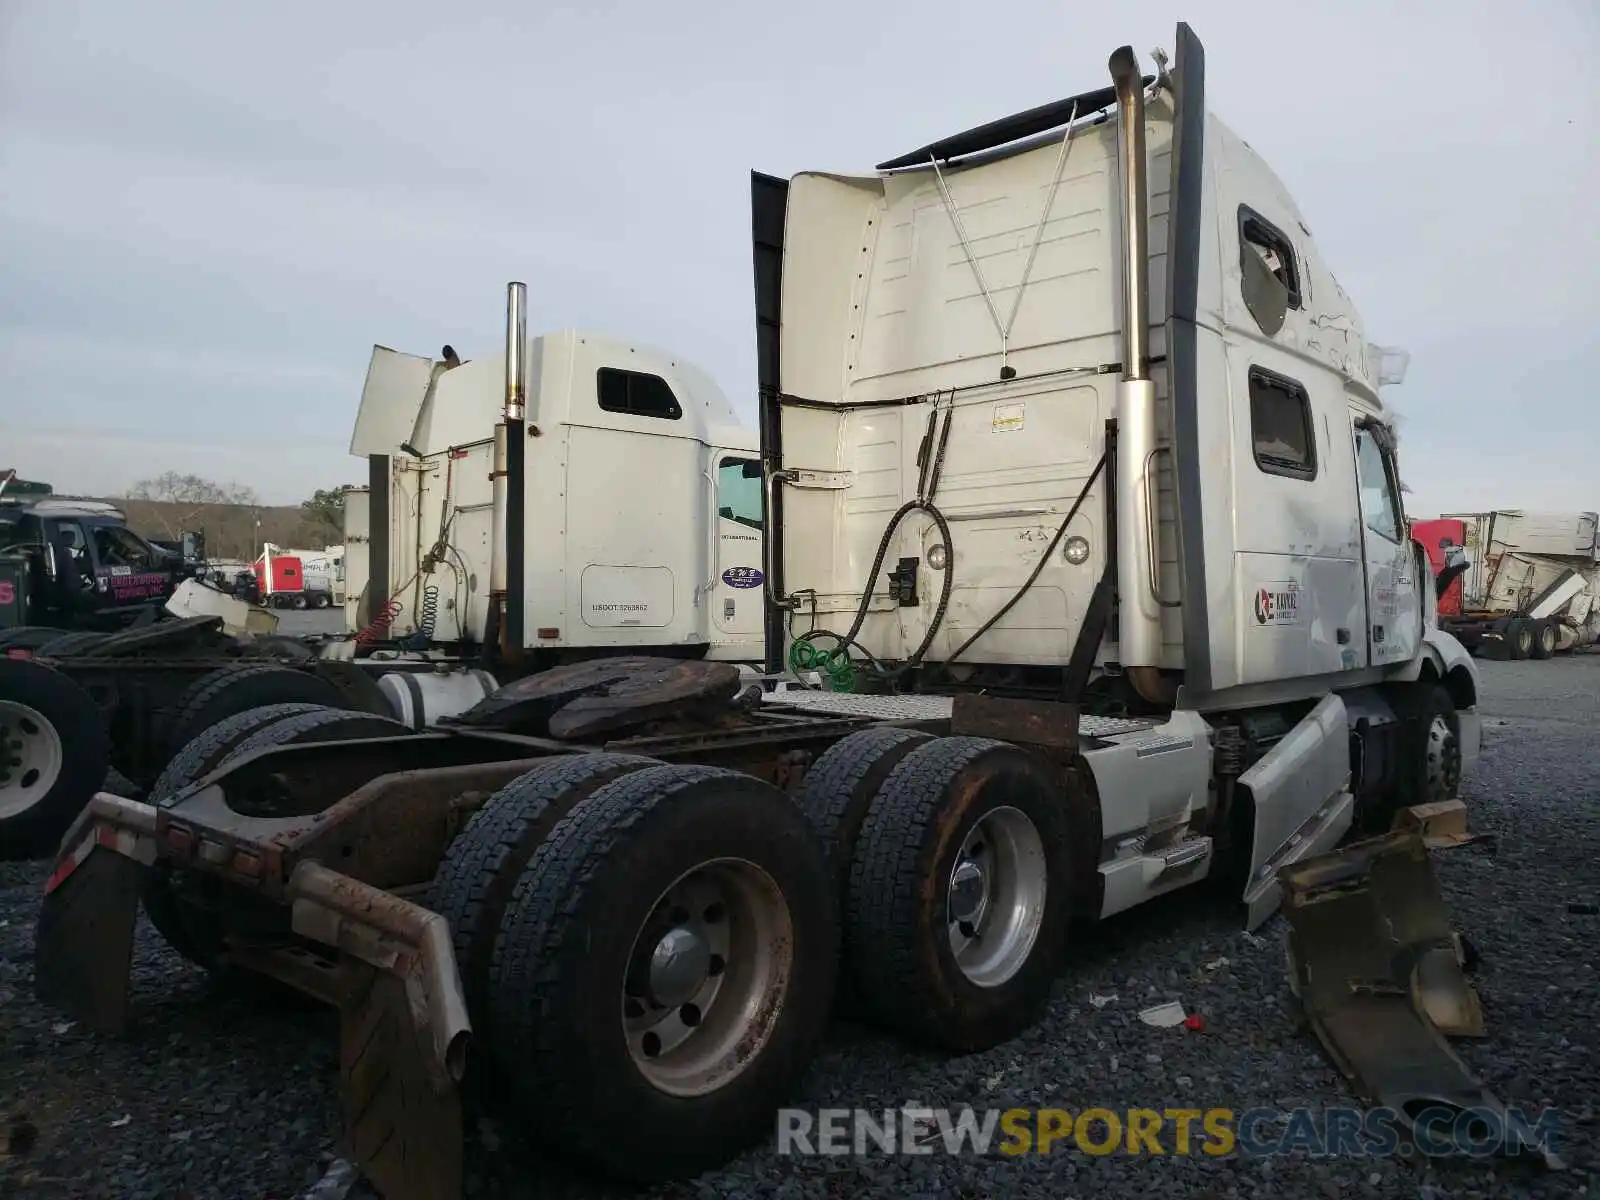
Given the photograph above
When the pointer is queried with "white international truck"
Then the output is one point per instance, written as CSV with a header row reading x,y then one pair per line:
x,y
643,510
1525,584
1075,444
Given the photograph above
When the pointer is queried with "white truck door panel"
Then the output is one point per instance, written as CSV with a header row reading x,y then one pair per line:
x,y
1394,601
1299,604
736,592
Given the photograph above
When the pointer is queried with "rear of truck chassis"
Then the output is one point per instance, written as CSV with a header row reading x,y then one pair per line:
x,y
306,863
638,846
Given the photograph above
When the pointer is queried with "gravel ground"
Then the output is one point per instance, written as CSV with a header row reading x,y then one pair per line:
x,y
232,1096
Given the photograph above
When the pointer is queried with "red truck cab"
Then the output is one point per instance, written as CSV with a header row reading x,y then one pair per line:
x,y
1436,537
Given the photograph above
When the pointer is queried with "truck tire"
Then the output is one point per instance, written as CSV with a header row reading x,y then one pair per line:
x,y
299,600
482,865
323,725
1519,638
71,643
193,928
729,869
54,755
1544,640
235,689
323,600
28,637
1429,768
835,795
200,756
995,812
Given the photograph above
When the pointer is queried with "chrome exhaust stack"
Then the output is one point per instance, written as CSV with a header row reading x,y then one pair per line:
x,y
506,575
1138,562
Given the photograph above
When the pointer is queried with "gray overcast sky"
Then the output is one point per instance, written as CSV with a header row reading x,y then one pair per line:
x,y
212,210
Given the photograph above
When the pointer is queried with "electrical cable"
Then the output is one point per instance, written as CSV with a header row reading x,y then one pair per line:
x,y
1038,567
804,655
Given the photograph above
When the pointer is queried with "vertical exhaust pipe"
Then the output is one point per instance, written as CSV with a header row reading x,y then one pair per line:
x,y
1139,608
507,578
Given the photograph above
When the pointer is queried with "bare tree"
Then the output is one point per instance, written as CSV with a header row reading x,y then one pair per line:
x,y
179,500
174,487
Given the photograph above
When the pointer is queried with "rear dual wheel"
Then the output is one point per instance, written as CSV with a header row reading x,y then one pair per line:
x,y
1545,639
1519,639
653,940
957,884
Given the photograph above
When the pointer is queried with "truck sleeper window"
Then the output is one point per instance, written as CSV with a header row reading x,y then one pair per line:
x,y
1280,426
637,394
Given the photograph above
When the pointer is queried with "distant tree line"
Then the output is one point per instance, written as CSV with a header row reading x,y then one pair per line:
x,y
230,515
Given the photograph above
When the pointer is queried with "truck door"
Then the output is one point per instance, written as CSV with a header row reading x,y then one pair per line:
x,y
736,593
1394,601
128,570
77,589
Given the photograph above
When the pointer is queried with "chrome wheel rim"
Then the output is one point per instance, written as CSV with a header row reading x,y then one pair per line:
x,y
995,897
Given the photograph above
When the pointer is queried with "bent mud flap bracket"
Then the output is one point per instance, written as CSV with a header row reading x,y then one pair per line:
x,y
1374,961
403,1018
83,942
403,1031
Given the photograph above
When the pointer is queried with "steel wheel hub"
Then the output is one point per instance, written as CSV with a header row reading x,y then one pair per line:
x,y
1444,760
995,897
30,758
680,965
707,977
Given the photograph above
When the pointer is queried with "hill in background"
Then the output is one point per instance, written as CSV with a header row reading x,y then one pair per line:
x,y
231,529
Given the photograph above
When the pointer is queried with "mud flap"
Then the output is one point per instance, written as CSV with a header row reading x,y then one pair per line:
x,y
1377,967
83,944
403,1129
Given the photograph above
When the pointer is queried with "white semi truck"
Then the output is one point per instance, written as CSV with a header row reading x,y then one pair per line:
x,y
1075,444
643,509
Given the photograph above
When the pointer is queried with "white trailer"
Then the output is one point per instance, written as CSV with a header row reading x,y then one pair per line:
x,y
643,502
1531,584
